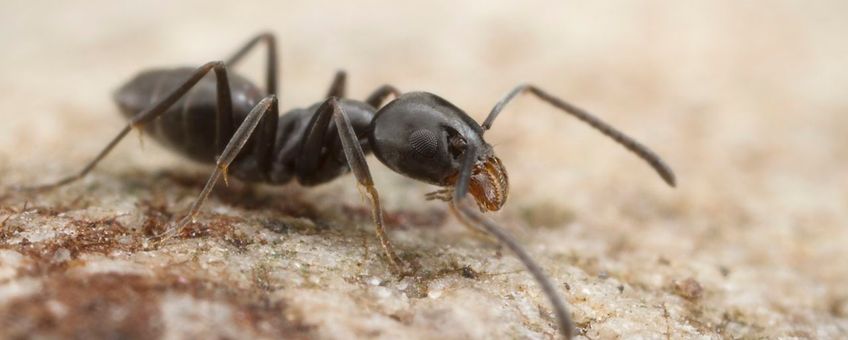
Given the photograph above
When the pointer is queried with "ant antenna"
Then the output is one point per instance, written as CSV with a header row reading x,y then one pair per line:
x,y
642,151
466,214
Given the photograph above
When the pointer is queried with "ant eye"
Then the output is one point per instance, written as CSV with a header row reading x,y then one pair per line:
x,y
456,145
424,142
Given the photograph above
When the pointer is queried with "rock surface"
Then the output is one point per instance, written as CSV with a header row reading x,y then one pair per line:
x,y
745,100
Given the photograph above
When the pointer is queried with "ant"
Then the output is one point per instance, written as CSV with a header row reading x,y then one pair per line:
x,y
417,134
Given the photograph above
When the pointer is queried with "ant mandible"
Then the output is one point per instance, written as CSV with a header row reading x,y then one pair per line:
x,y
418,134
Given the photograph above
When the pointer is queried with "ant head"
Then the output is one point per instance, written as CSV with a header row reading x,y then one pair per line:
x,y
423,136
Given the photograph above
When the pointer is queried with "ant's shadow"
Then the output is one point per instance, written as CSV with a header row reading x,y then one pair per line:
x,y
290,201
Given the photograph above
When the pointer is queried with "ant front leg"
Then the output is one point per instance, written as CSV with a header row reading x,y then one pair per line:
x,y
224,115
379,95
310,159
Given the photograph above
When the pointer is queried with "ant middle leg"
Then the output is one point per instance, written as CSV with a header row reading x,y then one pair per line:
x,y
266,107
338,88
268,126
224,114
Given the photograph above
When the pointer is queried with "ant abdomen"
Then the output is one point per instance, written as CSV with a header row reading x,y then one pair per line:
x,y
187,126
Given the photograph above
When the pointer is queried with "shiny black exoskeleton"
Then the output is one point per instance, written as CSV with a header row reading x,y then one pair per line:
x,y
418,134
222,118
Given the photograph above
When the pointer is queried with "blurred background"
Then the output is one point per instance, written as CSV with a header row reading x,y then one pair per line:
x,y
745,100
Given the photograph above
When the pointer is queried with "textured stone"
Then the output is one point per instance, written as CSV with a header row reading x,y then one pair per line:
x,y
745,100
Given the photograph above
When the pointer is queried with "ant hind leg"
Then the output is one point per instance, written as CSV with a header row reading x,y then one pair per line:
x,y
271,59
146,116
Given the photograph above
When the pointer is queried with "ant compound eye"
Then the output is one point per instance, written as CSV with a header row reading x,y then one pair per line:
x,y
423,142
456,144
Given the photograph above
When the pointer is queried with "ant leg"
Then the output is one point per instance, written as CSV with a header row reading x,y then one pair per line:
x,y
339,86
642,151
236,143
356,160
271,67
467,214
313,143
268,127
146,116
379,95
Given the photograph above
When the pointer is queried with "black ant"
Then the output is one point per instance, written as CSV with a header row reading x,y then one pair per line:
x,y
418,134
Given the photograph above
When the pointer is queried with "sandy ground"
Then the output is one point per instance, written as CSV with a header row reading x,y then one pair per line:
x,y
746,100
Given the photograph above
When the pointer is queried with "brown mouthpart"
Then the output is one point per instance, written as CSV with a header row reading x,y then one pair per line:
x,y
489,184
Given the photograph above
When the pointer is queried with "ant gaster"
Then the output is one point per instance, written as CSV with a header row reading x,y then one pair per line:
x,y
418,134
